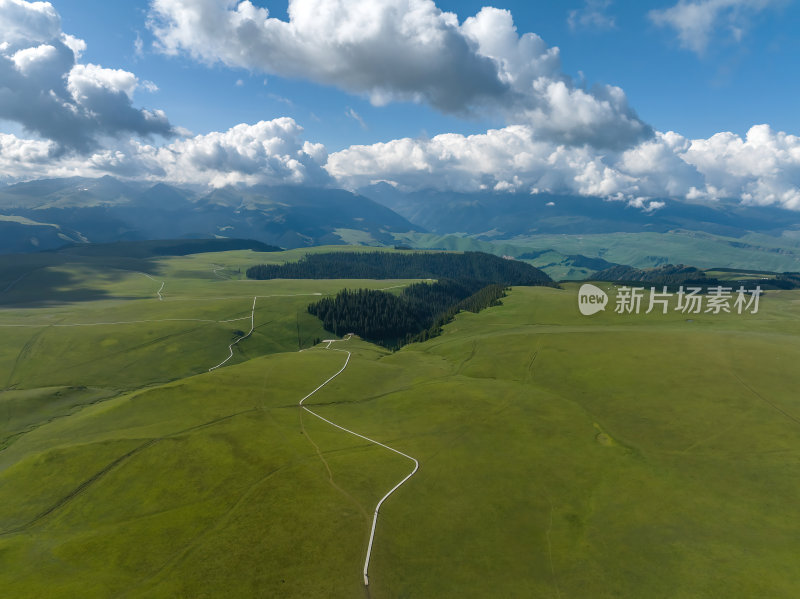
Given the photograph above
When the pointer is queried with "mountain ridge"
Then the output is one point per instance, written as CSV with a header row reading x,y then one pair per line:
x,y
496,215
48,213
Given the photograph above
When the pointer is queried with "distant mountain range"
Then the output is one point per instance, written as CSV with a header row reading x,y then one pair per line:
x,y
51,213
567,236
492,215
571,237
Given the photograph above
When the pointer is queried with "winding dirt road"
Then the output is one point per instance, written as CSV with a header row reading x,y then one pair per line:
x,y
393,489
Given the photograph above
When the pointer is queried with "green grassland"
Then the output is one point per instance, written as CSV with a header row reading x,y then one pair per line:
x,y
84,329
703,250
560,455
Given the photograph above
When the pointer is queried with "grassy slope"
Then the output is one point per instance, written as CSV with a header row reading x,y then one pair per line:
x,y
679,247
599,457
82,337
560,455
753,251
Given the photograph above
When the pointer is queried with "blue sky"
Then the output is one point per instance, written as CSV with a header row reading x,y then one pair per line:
x,y
350,92
730,87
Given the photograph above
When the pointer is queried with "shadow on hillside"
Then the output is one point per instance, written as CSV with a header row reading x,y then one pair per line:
x,y
50,279
49,288
79,273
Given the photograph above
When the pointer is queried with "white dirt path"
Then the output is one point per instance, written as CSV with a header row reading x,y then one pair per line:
x,y
144,274
393,489
252,318
328,342
250,332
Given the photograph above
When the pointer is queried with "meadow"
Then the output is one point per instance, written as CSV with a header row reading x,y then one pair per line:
x,y
703,250
560,455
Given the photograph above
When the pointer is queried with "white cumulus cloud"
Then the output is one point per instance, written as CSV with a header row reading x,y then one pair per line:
x,y
561,137
407,50
44,88
762,169
28,23
270,152
508,159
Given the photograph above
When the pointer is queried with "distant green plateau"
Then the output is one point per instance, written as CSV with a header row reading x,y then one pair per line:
x,y
611,456
642,250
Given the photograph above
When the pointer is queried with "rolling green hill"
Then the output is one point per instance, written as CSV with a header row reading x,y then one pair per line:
x,y
560,455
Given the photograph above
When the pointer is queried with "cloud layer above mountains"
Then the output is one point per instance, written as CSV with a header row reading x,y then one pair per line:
x,y
761,169
271,152
559,137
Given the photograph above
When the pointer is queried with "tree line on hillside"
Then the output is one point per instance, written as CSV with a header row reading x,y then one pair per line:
x,y
787,280
416,314
463,281
469,266
674,276
668,274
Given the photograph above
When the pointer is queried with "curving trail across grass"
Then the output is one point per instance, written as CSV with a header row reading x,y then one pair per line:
x,y
252,324
253,317
393,489
250,332
373,441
